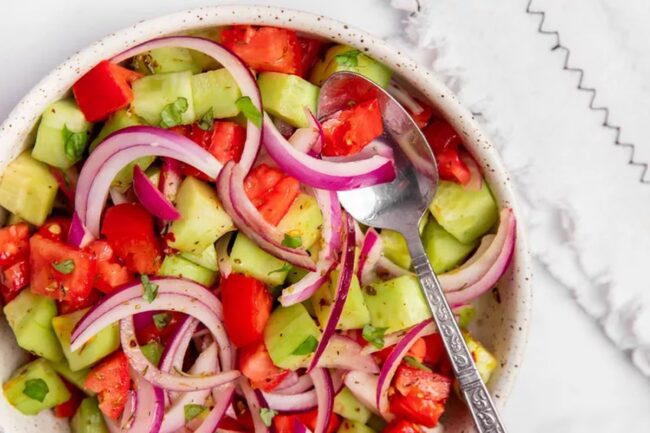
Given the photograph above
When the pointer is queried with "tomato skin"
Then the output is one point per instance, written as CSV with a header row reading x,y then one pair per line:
x,y
423,117
421,411
67,307
110,380
14,243
265,48
271,191
55,229
256,364
74,287
67,409
110,274
287,423
402,426
147,331
103,90
435,349
247,306
310,50
225,142
445,143
129,229
416,351
348,131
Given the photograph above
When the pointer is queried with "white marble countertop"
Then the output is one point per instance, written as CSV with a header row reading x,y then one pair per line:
x,y
573,379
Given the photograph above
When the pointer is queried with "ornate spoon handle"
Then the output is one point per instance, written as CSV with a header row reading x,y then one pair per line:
x,y
476,395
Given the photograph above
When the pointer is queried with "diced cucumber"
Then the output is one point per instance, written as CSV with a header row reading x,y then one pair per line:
x,y
88,418
206,62
207,258
203,219
60,119
30,318
153,174
28,189
465,213
216,91
395,248
247,258
105,342
165,60
17,390
486,363
153,93
349,407
445,252
377,423
77,378
285,331
354,315
466,315
348,426
303,219
177,266
396,304
351,60
296,274
286,96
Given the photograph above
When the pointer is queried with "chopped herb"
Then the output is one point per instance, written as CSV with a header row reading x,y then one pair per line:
x,y
306,347
374,336
74,143
171,115
150,289
413,362
192,411
267,416
65,267
348,59
285,268
162,320
36,389
251,112
292,241
152,351
207,120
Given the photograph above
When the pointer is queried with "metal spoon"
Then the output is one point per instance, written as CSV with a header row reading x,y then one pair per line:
x,y
400,205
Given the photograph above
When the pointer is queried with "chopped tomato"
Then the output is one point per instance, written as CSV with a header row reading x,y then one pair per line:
x,y
265,48
348,131
271,191
55,229
310,49
14,243
129,229
243,414
68,408
8,295
67,181
435,349
445,143
67,307
402,426
420,396
16,276
61,271
423,117
110,273
110,380
256,364
309,420
284,423
228,423
247,306
417,351
225,141
147,331
104,90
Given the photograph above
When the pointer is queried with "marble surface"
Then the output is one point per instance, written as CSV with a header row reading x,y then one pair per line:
x,y
573,379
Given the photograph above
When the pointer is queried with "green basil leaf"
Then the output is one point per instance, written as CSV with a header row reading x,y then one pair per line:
x,y
152,351
251,112
349,59
74,143
306,347
172,114
207,120
192,411
150,289
36,389
413,362
267,416
374,336
161,320
65,267
292,241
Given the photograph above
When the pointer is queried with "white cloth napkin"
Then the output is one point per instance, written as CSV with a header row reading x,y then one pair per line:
x,y
586,208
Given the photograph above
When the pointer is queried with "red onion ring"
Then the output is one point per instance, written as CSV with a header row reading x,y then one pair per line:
x,y
364,387
223,258
395,337
222,400
230,189
151,198
403,97
78,235
388,269
341,293
255,402
117,197
299,402
325,397
392,362
300,384
170,178
174,352
475,182
334,176
371,249
229,60
344,353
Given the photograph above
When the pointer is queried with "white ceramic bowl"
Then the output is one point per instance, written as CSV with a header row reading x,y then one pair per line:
x,y
502,320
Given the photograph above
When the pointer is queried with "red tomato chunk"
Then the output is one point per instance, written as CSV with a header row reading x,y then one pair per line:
x,y
110,380
271,191
445,143
255,363
350,130
247,307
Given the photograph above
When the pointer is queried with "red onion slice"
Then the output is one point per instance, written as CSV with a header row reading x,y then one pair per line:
x,y
226,58
222,400
344,353
334,176
299,384
388,269
255,402
325,397
364,387
403,97
151,198
395,337
475,182
299,402
78,235
223,258
341,292
172,382
117,197
371,250
174,353
170,178
392,362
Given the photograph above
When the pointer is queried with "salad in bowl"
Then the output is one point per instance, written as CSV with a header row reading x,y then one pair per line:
x,y
165,275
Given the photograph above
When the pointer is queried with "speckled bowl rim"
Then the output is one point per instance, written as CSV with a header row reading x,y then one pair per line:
x,y
16,133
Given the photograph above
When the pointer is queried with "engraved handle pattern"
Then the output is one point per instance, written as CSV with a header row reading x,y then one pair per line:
x,y
476,395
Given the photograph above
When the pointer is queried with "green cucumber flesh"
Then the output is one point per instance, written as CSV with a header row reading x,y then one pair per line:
x,y
286,96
